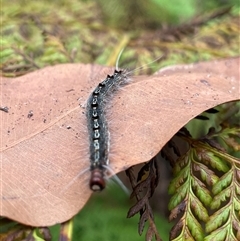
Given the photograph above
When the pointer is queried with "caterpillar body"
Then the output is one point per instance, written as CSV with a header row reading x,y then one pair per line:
x,y
97,126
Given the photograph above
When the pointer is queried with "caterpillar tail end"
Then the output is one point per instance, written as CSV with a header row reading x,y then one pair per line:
x,y
97,182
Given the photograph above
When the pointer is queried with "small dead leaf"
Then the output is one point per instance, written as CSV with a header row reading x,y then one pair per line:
x,y
40,155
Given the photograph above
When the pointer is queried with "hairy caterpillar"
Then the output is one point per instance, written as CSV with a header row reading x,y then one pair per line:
x,y
97,126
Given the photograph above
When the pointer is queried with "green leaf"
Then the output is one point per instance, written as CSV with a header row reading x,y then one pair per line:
x,y
207,175
217,219
195,227
182,162
185,236
36,235
231,236
217,163
221,197
223,182
199,210
202,192
179,196
219,235
178,180
236,204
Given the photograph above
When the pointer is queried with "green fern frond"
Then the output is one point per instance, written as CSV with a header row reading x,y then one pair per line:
x,y
223,182
183,161
207,175
195,227
228,136
201,192
224,223
221,197
179,179
218,235
210,158
199,210
193,192
219,219
179,185
206,178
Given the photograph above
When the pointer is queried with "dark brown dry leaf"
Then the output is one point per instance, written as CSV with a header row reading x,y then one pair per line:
x,y
139,188
150,182
142,206
213,144
138,206
165,153
176,229
231,142
211,131
144,174
40,156
155,178
143,218
130,174
144,171
18,234
184,131
175,147
152,232
149,234
178,209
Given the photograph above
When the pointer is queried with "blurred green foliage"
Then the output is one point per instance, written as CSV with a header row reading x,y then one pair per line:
x,y
113,207
104,218
34,34
156,13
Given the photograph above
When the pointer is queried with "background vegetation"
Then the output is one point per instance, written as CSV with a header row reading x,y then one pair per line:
x,y
35,34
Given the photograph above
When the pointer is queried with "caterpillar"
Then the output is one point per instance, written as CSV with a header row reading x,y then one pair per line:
x,y
99,135
97,123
